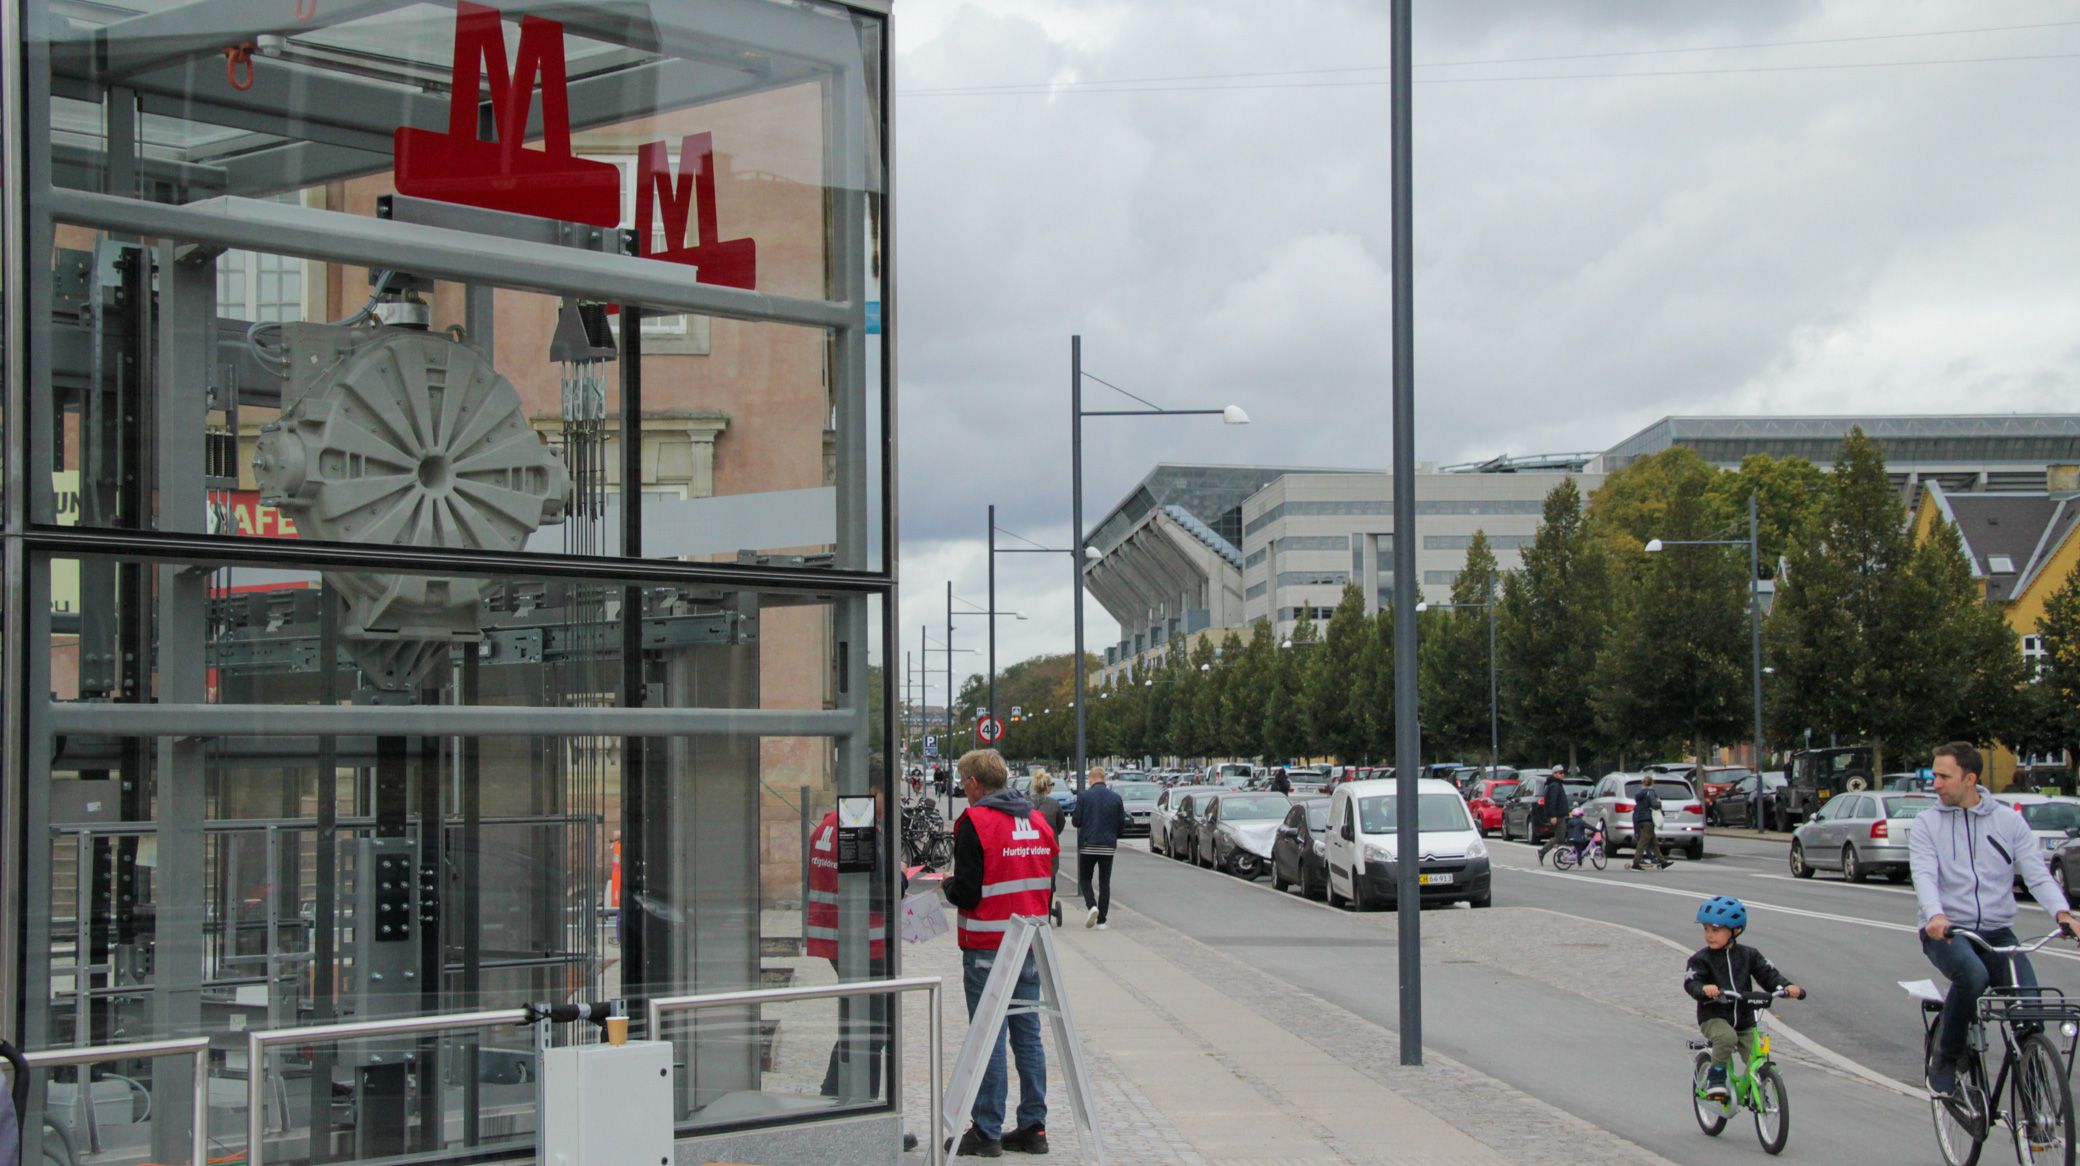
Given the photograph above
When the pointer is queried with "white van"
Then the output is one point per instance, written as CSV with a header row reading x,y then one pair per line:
x,y
1361,844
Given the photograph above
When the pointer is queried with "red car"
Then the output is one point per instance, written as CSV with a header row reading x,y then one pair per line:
x,y
1483,798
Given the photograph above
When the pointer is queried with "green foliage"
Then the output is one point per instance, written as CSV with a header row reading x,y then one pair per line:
x,y
1242,712
1374,686
1788,493
2058,679
1452,663
1288,732
1336,718
1657,495
1978,697
1550,630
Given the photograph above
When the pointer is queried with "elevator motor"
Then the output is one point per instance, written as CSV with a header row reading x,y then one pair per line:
x,y
396,436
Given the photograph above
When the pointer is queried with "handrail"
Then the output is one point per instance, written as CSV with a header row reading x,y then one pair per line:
x,y
258,1041
196,1047
930,986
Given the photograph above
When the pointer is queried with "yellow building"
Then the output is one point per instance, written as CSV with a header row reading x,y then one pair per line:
x,y
2022,548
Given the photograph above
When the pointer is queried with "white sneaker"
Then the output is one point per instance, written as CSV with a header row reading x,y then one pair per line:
x,y
1090,917
1104,926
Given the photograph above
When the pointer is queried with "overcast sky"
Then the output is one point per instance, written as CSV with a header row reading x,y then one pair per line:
x,y
1610,227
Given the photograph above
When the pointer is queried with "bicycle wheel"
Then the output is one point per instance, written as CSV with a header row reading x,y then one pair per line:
x,y
1563,858
1961,1120
1597,858
1772,1109
2043,1106
1711,1115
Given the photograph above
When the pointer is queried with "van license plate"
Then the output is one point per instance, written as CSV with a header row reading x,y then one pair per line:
x,y
1433,880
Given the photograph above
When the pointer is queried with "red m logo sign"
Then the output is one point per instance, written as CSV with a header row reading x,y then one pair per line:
x,y
458,166
690,192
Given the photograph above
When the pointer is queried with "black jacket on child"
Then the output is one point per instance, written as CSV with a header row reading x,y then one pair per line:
x,y
1733,968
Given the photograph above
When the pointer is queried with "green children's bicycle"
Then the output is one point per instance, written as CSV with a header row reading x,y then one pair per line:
x,y
1753,1080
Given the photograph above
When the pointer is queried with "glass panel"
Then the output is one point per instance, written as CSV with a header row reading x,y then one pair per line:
x,y
459,381
450,810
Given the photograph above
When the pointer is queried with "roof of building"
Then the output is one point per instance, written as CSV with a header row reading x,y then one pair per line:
x,y
1205,534
2031,438
2008,537
1212,494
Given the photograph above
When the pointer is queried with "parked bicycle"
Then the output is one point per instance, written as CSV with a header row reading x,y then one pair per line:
x,y
1587,851
926,841
1752,1079
2034,1078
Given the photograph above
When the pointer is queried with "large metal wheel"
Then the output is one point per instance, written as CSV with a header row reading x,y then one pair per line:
x,y
1960,1121
1852,866
1772,1110
1711,1115
1800,869
2043,1105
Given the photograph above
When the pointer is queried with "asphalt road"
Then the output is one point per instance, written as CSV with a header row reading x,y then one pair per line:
x,y
1606,1041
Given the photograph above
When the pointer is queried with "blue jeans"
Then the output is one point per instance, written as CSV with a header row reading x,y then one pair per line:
x,y
988,1112
1970,972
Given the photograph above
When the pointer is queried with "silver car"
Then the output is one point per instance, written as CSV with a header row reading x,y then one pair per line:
x,y
1612,802
1859,834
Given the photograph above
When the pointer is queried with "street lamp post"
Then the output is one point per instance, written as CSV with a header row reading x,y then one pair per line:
x,y
1231,415
1407,739
1753,543
994,551
1494,719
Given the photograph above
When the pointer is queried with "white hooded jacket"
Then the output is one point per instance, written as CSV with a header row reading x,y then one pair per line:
x,y
1965,863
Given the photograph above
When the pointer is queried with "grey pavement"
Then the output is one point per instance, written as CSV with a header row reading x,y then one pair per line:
x,y
1196,1057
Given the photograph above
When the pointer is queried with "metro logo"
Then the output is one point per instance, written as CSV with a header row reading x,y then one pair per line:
x,y
504,175
732,263
1022,830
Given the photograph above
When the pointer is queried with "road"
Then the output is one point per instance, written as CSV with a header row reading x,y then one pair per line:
x,y
1591,1018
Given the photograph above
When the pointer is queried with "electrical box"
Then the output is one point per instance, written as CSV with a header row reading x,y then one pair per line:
x,y
607,1105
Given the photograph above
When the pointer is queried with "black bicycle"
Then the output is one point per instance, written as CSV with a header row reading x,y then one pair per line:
x,y
2031,1092
925,838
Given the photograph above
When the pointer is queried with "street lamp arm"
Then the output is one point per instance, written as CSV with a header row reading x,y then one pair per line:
x,y
1156,412
1656,544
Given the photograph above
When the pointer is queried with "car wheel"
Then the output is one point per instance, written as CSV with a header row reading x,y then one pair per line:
x,y
1712,818
1896,876
1799,867
1308,888
1852,867
1329,892
1361,900
1484,899
1278,878
1696,851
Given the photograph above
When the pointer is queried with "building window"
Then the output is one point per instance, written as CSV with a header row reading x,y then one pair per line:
x,y
1460,542
1314,542
1313,578
1440,577
1255,557
2035,654
1255,591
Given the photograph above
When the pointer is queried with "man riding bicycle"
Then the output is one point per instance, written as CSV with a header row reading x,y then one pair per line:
x,y
1966,853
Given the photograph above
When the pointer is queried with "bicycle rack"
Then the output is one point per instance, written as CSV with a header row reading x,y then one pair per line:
x,y
195,1047
935,1042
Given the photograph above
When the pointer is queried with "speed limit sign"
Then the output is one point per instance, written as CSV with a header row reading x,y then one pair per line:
x,y
989,730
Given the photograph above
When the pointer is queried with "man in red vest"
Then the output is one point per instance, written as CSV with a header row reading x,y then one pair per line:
x,y
1003,865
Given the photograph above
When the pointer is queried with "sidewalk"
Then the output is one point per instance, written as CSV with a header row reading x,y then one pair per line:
x,y
1198,1059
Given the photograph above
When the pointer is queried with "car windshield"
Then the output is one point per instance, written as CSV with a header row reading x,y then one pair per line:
x,y
1248,807
1434,813
1908,807
1318,815
2060,816
1669,788
1136,791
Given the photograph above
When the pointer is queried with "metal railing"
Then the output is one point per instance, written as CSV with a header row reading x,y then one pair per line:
x,y
196,1047
935,1041
257,1043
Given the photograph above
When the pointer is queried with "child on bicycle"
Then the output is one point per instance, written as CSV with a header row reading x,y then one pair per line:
x,y
1579,834
1718,974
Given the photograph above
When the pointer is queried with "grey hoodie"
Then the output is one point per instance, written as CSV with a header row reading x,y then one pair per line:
x,y
1965,863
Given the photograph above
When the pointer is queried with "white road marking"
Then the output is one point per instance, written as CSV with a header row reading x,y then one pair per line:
x,y
1794,879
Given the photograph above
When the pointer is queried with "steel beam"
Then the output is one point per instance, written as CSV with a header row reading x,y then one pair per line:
x,y
196,720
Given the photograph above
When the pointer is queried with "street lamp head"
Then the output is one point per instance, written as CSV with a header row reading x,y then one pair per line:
x,y
1148,684
1233,415
1422,605
1286,643
1653,546
1091,553
1205,667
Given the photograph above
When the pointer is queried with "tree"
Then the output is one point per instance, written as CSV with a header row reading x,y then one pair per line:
x,y
1675,666
1287,732
1337,721
1850,635
2058,675
1374,689
1551,628
1453,660
1637,503
1788,493
1242,708
1979,697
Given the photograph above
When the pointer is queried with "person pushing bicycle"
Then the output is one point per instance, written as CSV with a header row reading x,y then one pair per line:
x,y
1966,853
1718,975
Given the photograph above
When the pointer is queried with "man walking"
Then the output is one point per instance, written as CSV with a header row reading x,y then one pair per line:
x,y
1646,808
1966,853
1003,861
1099,818
1551,809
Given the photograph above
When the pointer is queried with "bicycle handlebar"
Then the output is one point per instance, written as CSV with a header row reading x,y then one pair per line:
x,y
2011,949
1765,999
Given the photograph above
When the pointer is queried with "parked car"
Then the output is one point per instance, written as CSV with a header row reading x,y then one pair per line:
x,y
1717,780
1299,852
1163,817
1236,837
1611,804
1915,782
1859,834
1362,846
2049,816
1233,774
1139,799
1484,801
1517,815
2065,866
1183,839
1815,775
1335,775
1736,807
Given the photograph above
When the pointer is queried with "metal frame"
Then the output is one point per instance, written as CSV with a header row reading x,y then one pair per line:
x,y
932,987
194,1047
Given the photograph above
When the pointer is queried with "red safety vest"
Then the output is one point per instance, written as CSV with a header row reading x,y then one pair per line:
x,y
821,925
1017,871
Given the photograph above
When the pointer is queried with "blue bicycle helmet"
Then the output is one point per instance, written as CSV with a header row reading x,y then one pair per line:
x,y
1723,911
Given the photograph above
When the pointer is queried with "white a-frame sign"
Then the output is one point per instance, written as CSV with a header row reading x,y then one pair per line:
x,y
1025,934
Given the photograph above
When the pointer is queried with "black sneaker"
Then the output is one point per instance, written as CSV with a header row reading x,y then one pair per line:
x,y
1715,1086
1942,1078
974,1145
909,1142
1027,1139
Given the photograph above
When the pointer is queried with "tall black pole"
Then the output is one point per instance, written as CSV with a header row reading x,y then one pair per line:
x,y
993,613
1407,746
1494,717
1755,639
1076,529
949,664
